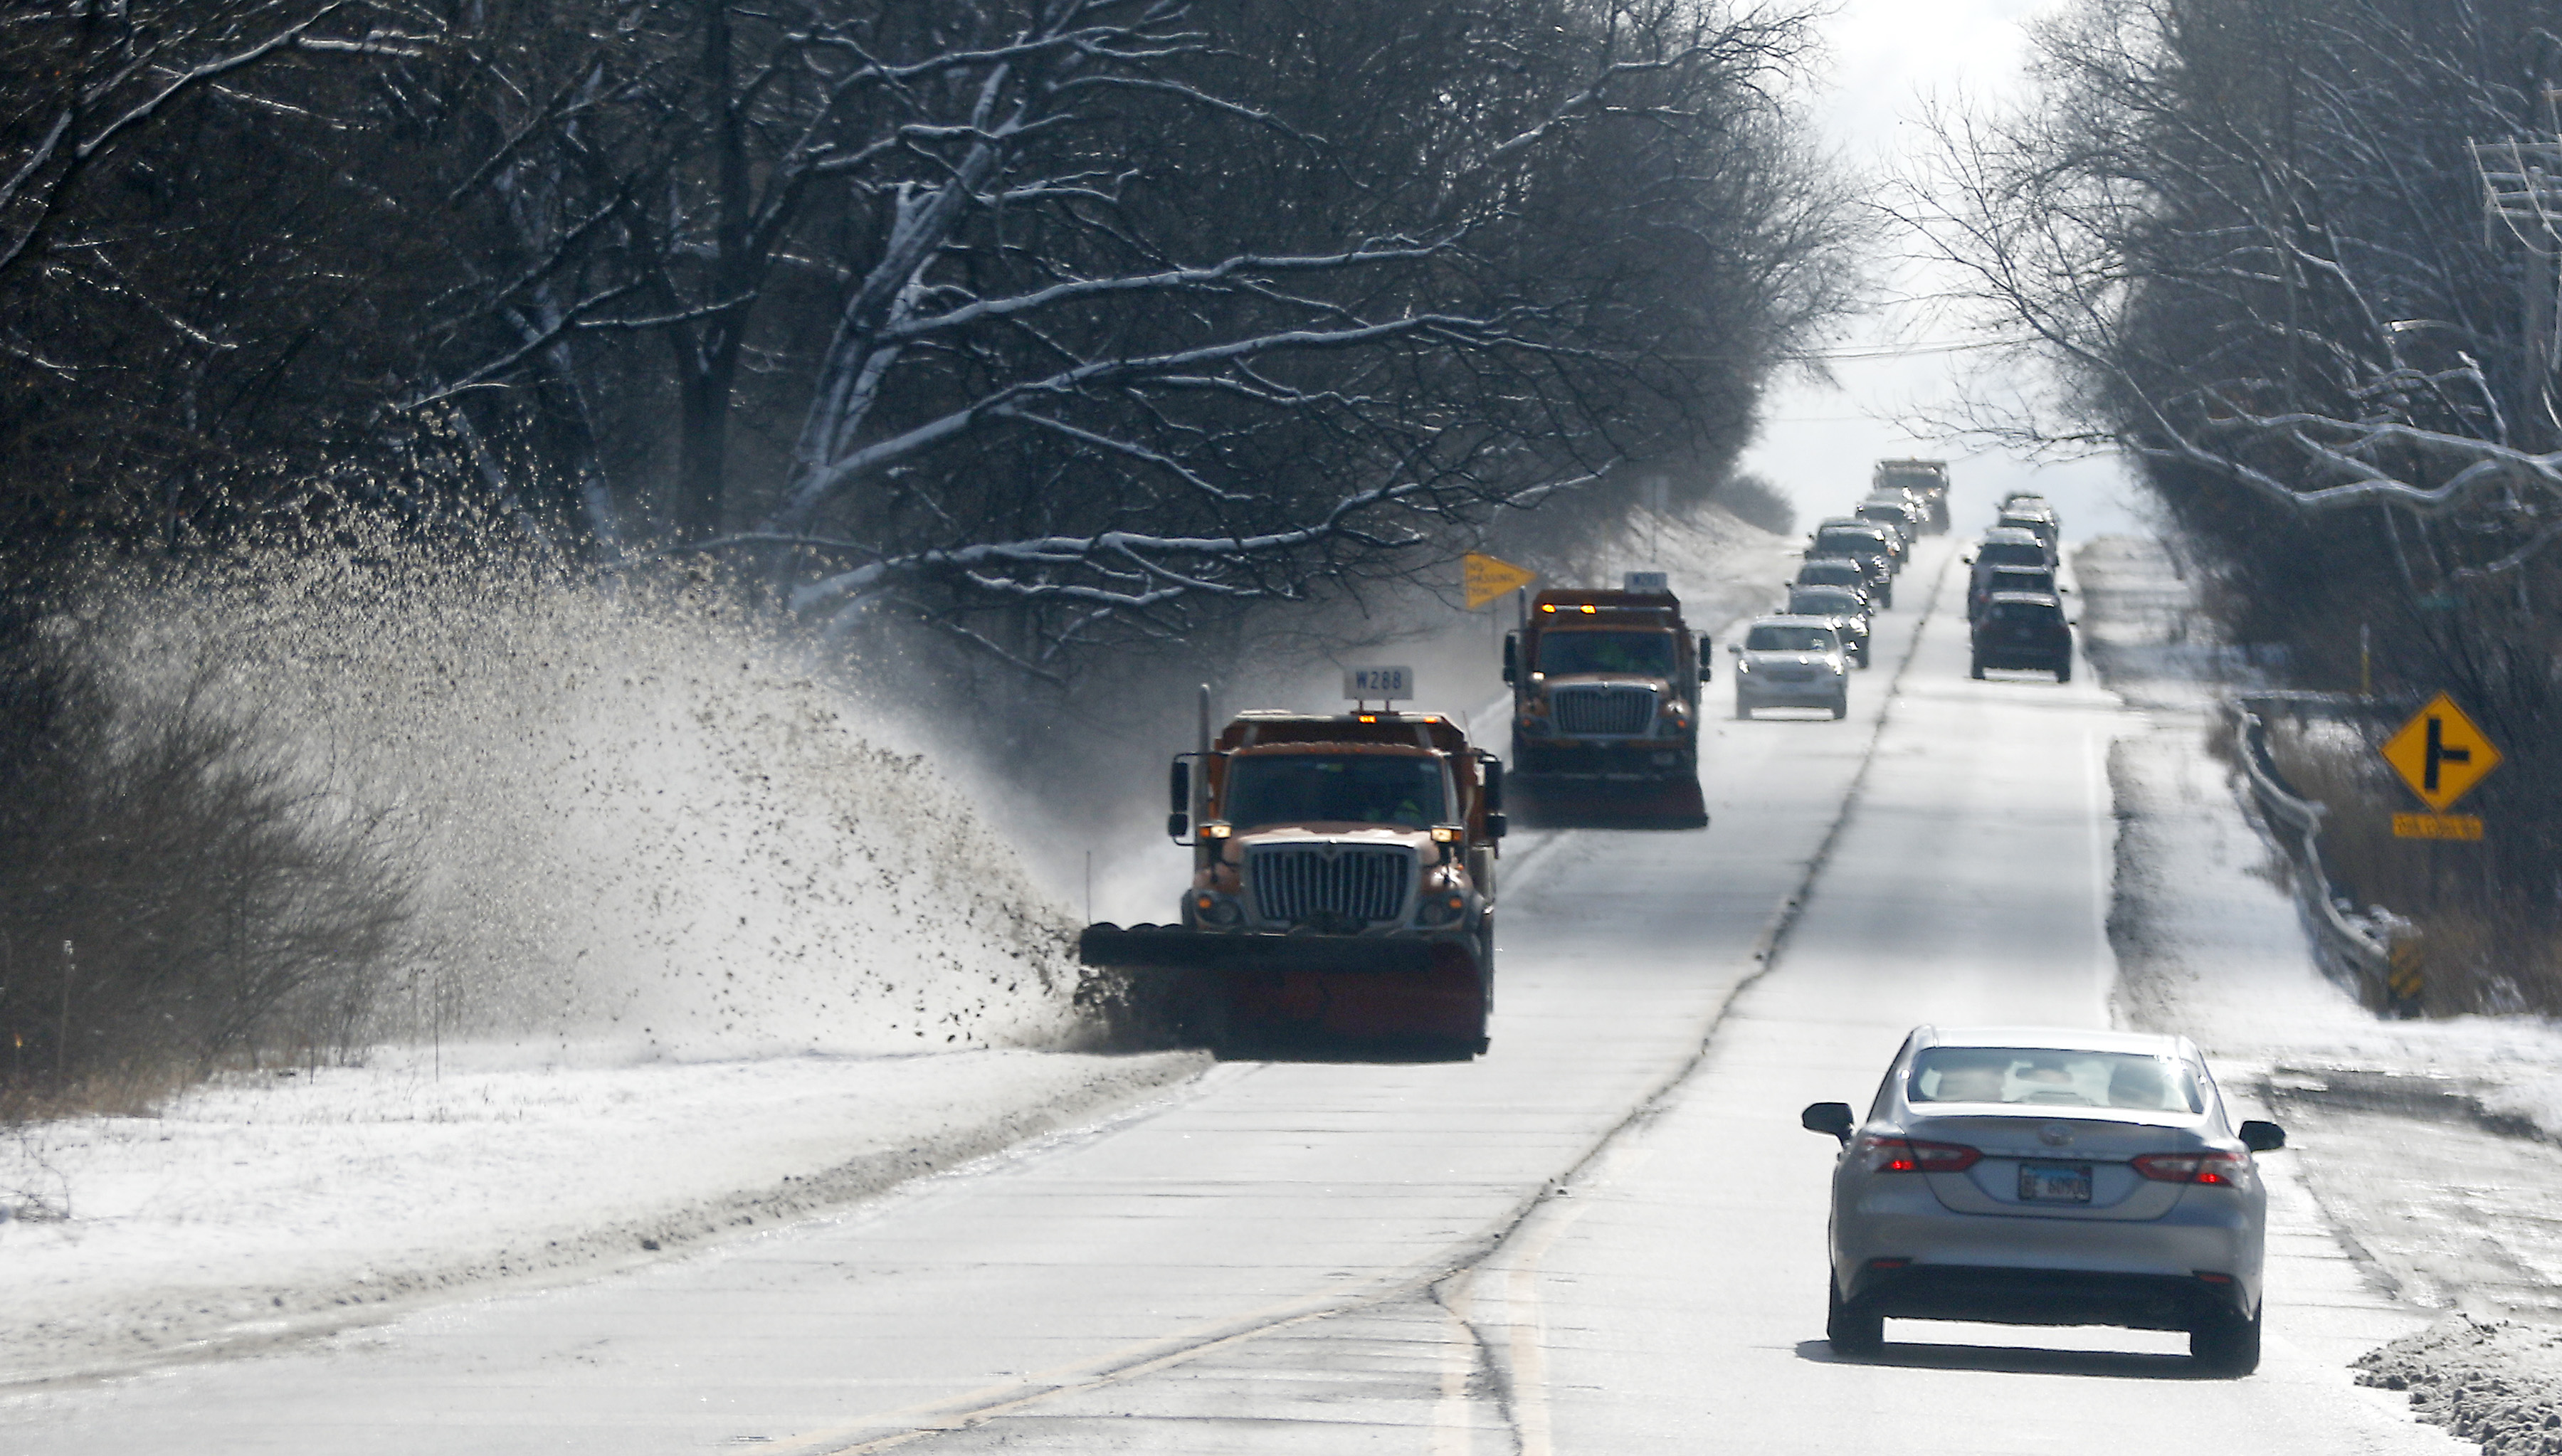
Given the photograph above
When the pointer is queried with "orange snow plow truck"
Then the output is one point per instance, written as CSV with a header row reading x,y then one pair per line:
x,y
1605,708
1343,880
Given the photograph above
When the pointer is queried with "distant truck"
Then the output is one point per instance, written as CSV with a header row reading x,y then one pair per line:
x,y
1927,479
1343,880
1605,708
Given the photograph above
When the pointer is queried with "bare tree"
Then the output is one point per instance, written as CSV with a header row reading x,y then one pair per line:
x,y
2252,237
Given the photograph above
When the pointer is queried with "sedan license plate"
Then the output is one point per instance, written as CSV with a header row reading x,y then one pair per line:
x,y
2055,1182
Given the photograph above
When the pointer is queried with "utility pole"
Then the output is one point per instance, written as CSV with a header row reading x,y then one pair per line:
x,y
2522,190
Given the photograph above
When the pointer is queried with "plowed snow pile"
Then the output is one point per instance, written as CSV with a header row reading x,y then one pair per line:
x,y
2497,1383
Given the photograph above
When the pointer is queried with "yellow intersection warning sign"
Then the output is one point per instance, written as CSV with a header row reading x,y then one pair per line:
x,y
2440,754
1489,577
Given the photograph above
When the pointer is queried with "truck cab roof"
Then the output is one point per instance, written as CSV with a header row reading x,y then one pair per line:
x,y
1612,608
1260,727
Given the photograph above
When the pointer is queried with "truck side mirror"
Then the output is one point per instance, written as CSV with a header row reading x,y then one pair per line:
x,y
1178,786
1495,788
1707,651
1828,1117
1512,656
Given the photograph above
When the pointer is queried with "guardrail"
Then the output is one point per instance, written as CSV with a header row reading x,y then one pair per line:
x,y
2372,954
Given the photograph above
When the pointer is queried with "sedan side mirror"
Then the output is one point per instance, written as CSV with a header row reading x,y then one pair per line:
x,y
2262,1137
1828,1117
1734,650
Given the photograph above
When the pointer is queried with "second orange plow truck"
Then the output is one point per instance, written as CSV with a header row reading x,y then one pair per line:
x,y
1606,709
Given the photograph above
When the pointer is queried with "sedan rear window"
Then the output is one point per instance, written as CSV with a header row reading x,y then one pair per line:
x,y
2023,1076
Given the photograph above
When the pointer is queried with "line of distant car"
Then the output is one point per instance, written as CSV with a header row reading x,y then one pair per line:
x,y
1801,655
2014,603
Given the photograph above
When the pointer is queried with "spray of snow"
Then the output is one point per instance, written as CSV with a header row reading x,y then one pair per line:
x,y
640,828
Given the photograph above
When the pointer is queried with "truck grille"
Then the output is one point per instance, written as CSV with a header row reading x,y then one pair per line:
x,y
1603,711
1293,883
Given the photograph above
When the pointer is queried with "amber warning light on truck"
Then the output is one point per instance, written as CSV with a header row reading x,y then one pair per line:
x,y
1378,684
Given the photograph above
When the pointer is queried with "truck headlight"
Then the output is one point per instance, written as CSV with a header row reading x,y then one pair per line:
x,y
1442,906
1211,908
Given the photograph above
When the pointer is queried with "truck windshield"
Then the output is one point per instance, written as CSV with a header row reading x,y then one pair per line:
x,y
1789,640
1647,653
1359,789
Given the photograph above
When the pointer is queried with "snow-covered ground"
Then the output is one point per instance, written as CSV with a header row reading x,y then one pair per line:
x,y
253,1211
2435,1146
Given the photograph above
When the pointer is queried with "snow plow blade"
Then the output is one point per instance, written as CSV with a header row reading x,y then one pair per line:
x,y
1173,948
1593,801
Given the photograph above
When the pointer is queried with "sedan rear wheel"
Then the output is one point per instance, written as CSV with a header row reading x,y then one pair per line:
x,y
1850,1328
2227,1345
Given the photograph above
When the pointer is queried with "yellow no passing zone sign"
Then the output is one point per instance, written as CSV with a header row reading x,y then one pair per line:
x,y
1488,577
2440,754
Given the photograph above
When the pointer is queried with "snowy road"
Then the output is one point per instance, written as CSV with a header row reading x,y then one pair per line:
x,y
1339,1257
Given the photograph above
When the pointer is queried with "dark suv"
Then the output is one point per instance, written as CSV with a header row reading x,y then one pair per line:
x,y
2037,581
2023,630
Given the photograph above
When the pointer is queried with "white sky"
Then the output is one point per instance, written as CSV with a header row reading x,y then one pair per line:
x,y
1818,441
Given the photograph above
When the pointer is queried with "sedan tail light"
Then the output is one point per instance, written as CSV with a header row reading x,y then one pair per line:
x,y
2194,1167
1911,1155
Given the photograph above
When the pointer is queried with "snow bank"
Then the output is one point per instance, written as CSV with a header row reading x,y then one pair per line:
x,y
2429,1144
281,1206
2498,1383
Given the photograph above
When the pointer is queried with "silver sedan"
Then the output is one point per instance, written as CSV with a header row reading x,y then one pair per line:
x,y
2040,1177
